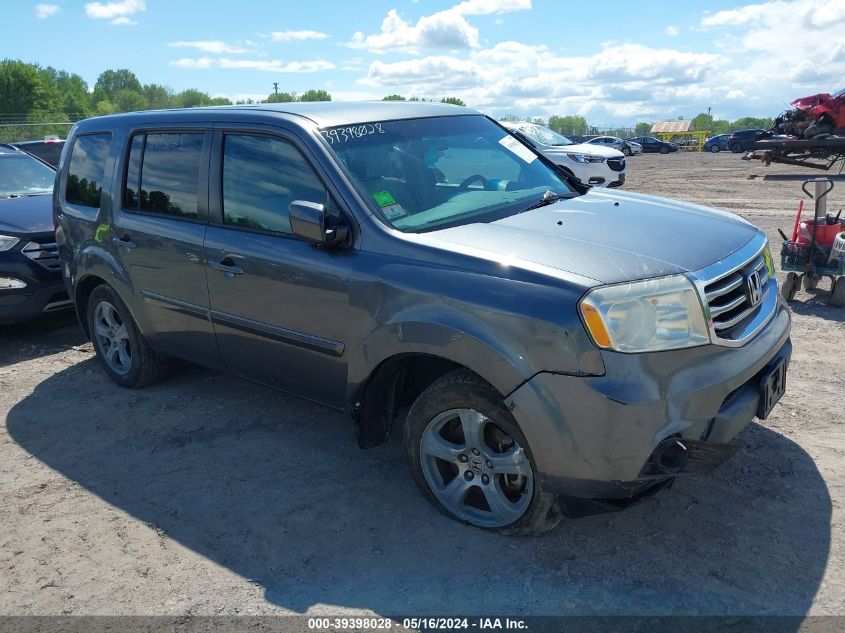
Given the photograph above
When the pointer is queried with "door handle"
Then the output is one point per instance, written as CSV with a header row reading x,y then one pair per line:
x,y
227,265
124,241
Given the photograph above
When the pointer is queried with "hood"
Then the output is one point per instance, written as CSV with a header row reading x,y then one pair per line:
x,y
606,236
26,214
580,148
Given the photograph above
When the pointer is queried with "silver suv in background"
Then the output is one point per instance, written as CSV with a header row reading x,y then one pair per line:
x,y
592,165
416,266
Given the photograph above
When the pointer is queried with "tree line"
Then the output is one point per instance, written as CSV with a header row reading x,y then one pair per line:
x,y
31,94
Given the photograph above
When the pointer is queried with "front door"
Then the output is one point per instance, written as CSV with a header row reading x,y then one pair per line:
x,y
158,231
280,306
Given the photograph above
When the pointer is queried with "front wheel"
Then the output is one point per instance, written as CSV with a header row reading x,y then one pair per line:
x,y
471,460
626,151
124,354
714,148
664,150
736,148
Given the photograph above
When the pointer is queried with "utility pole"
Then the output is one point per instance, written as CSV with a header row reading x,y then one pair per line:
x,y
276,90
708,110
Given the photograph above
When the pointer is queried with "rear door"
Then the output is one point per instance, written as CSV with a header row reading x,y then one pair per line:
x,y
158,233
280,306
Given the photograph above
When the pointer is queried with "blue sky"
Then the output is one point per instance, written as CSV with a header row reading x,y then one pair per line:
x,y
615,62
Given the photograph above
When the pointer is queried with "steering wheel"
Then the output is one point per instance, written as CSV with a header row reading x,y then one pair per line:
x,y
466,183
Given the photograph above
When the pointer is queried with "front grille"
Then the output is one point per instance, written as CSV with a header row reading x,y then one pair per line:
x,y
45,253
728,298
616,164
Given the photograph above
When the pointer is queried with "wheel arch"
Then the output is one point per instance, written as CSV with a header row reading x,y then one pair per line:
x,y
93,267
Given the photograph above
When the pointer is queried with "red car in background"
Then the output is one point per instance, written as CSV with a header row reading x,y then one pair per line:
x,y
814,115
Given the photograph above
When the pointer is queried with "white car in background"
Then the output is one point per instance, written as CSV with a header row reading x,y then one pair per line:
x,y
592,165
629,148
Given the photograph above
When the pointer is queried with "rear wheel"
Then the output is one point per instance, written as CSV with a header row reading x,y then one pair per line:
x,y
124,354
810,282
471,460
736,148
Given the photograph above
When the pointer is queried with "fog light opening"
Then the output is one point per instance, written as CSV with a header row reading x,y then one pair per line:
x,y
671,457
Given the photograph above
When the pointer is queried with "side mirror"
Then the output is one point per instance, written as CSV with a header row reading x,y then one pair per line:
x,y
309,222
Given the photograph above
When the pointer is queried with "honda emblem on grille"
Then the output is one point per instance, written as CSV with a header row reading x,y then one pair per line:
x,y
753,288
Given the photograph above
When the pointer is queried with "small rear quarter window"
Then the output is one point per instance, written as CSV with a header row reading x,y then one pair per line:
x,y
87,169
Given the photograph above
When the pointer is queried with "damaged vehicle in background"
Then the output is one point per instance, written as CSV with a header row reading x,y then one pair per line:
x,y
813,116
593,165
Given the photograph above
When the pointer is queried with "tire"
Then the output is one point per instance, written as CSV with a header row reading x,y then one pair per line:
x,y
664,150
736,148
837,293
715,149
626,151
461,400
124,354
790,286
809,282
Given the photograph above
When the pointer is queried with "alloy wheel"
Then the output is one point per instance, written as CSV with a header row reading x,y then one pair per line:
x,y
475,469
112,338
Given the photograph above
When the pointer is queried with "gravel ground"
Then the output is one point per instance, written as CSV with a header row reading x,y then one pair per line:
x,y
210,495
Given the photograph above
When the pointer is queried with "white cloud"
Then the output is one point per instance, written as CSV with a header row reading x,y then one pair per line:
x,y
296,36
254,64
44,11
444,30
118,12
123,21
208,46
672,31
486,7
447,29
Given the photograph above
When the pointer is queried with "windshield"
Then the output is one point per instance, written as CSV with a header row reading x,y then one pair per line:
x,y
544,135
22,175
839,93
426,174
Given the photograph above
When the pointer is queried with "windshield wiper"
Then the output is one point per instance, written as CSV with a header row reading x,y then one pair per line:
x,y
547,198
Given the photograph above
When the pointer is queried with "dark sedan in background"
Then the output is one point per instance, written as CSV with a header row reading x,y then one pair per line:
x,y
654,145
716,143
30,282
743,140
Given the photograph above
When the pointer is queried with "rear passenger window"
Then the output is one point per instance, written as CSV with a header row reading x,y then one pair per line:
x,y
261,177
86,170
162,174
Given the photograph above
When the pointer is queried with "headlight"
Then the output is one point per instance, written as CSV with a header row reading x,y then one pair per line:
x,y
7,242
585,158
646,316
770,261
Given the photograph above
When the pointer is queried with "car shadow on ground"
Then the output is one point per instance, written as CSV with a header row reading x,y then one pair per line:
x,y
276,490
46,335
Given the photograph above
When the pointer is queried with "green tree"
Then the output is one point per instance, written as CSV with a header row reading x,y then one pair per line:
x,y
129,101
190,98
110,82
158,97
642,128
219,101
281,97
747,122
394,98
569,124
453,101
26,89
315,95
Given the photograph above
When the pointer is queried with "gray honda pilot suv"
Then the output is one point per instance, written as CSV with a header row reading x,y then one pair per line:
x,y
545,349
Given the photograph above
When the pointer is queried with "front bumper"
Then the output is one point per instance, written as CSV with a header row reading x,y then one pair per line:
x,y
592,437
44,291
